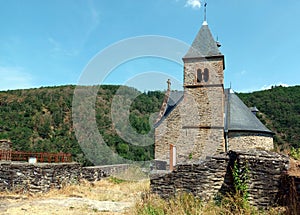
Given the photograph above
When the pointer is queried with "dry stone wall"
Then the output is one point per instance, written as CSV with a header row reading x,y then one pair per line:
x,y
27,177
204,179
96,173
213,176
266,170
41,177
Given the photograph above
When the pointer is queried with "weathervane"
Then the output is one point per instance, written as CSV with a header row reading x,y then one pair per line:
x,y
205,4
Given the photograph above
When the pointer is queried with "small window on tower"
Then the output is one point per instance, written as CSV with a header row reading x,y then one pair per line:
x,y
199,75
206,75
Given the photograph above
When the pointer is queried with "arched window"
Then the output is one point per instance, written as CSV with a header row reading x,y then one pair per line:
x,y
199,75
206,75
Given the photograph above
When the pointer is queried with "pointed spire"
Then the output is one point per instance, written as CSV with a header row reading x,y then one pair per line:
x,y
204,44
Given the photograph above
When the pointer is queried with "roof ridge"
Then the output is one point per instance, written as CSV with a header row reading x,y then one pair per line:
x,y
163,106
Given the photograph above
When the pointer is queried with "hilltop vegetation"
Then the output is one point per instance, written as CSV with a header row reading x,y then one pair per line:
x,y
280,111
40,120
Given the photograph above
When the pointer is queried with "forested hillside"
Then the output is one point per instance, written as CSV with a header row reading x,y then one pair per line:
x,y
40,120
280,110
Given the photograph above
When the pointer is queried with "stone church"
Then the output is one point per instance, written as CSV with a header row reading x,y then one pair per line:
x,y
205,118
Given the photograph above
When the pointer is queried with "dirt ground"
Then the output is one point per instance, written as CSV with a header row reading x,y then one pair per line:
x,y
103,197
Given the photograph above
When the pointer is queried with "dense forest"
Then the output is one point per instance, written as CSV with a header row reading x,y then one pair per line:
x,y
280,111
40,120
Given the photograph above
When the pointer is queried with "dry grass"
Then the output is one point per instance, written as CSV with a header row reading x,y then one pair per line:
x,y
104,190
187,204
88,198
294,169
83,198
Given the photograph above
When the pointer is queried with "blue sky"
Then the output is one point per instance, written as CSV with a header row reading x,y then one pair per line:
x,y
50,42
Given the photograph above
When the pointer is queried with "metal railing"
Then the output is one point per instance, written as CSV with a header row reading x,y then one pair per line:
x,y
42,157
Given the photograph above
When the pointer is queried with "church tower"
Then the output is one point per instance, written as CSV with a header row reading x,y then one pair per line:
x,y
200,120
204,90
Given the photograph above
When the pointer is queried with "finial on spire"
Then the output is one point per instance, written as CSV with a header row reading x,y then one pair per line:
x,y
205,22
169,84
205,5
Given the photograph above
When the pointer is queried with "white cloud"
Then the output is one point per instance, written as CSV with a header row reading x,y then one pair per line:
x,y
14,78
193,3
95,16
93,21
267,87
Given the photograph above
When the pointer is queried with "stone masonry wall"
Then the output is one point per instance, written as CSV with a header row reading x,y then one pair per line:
x,y
203,179
207,103
266,171
168,132
189,141
214,65
41,177
246,140
96,173
194,129
27,177
196,125
214,175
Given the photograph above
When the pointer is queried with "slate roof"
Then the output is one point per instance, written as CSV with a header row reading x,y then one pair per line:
x,y
204,44
238,117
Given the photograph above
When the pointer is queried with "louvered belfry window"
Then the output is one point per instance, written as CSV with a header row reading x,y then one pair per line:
x,y
199,75
206,75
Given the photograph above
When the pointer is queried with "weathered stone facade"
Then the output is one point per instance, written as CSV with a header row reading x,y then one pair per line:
x,y
249,140
191,135
213,176
196,125
214,65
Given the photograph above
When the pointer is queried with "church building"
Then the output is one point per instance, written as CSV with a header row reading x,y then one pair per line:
x,y
206,119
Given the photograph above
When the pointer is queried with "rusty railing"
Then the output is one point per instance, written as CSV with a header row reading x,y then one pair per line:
x,y
40,156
